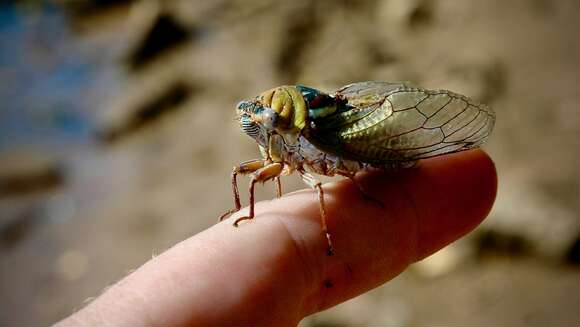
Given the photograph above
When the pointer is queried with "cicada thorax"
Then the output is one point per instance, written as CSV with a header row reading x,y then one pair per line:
x,y
319,103
285,113
296,105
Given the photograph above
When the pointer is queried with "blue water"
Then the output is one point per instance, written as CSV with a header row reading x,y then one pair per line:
x,y
48,78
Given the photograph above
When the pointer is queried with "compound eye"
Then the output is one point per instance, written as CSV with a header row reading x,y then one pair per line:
x,y
244,106
270,119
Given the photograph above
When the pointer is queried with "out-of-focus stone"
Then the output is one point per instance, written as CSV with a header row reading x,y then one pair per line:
x,y
151,101
496,243
71,265
365,311
527,222
163,34
406,14
442,262
24,172
18,218
572,255
483,79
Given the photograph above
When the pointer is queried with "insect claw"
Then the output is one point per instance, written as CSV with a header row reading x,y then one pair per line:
x,y
330,252
227,214
237,222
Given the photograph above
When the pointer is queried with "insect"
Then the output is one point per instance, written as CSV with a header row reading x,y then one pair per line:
x,y
362,125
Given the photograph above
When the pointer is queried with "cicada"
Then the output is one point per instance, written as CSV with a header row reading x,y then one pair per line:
x,y
362,125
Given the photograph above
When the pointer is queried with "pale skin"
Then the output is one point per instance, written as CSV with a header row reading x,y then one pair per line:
x,y
273,270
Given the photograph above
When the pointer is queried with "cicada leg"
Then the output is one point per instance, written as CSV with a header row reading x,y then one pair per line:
x,y
244,168
278,187
365,195
263,174
315,184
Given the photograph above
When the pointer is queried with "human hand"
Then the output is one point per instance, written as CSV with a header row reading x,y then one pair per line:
x,y
273,271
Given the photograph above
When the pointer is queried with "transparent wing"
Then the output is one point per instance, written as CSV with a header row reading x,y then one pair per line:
x,y
389,123
364,93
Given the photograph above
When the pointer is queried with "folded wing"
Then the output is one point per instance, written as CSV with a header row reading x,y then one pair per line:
x,y
386,123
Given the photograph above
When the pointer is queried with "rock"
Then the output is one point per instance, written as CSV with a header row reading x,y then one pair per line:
x,y
162,34
148,104
26,172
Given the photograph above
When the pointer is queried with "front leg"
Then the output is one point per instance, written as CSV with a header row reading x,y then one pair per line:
x,y
244,168
309,180
263,174
278,187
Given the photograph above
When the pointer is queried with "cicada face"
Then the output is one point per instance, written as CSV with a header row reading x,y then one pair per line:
x,y
248,114
281,111
260,122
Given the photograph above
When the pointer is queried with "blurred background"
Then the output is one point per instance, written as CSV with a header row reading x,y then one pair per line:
x,y
117,136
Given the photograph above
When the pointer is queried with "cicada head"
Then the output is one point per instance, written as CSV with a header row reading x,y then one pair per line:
x,y
281,110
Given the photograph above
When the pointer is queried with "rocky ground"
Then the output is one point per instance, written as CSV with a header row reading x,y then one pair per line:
x,y
77,214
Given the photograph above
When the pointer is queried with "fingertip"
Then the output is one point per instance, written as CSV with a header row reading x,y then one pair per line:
x,y
454,194
426,208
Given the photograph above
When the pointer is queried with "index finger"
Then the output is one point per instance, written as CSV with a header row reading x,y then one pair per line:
x,y
274,271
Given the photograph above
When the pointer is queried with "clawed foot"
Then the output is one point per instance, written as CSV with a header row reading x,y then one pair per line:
x,y
227,214
237,222
330,251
